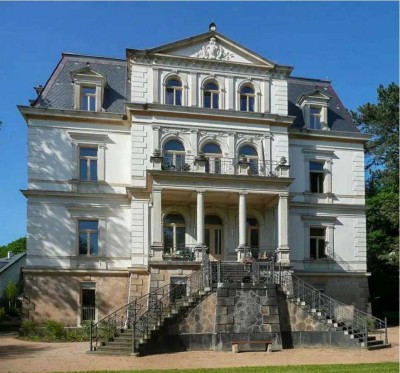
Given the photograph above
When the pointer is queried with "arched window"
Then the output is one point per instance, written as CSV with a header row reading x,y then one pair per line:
x,y
252,156
173,92
174,155
247,98
174,233
211,96
213,152
253,236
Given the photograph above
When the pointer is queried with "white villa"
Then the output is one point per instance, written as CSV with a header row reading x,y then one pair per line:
x,y
138,166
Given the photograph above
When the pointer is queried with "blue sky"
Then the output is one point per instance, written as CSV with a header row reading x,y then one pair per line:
x,y
354,44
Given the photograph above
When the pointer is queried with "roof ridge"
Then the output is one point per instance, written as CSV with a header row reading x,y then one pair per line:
x,y
70,54
310,79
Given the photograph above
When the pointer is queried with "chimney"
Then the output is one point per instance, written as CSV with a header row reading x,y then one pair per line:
x,y
38,89
10,254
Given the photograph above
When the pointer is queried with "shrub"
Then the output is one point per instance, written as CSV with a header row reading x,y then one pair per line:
x,y
29,328
55,329
2,314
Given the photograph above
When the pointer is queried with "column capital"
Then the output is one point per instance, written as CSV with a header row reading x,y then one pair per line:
x,y
156,190
200,191
243,193
284,195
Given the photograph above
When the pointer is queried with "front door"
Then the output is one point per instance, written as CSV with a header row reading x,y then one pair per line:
x,y
214,240
213,235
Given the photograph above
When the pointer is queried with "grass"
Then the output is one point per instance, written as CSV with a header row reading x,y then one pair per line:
x,y
339,368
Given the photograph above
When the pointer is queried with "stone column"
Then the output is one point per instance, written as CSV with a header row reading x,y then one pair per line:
x,y
156,226
283,220
200,226
242,226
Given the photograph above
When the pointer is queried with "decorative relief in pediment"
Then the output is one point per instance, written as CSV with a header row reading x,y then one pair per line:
x,y
213,51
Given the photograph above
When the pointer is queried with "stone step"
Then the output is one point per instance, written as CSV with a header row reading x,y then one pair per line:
x,y
380,346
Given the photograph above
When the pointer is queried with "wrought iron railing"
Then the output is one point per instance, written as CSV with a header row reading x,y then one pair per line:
x,y
88,313
360,323
248,271
218,165
145,313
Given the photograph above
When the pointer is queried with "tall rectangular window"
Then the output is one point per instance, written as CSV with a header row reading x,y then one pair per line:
x,y
315,118
88,164
317,243
88,237
316,177
88,301
88,98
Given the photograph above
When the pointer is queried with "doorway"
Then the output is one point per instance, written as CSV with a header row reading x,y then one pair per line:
x,y
213,235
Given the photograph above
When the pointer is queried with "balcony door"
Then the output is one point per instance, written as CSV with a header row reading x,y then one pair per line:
x,y
213,235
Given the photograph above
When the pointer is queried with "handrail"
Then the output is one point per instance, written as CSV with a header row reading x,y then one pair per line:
x,y
143,313
361,323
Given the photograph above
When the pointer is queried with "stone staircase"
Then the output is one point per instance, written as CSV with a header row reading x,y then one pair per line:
x,y
366,330
121,342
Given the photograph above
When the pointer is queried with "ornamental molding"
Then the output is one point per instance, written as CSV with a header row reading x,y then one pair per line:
x,y
213,51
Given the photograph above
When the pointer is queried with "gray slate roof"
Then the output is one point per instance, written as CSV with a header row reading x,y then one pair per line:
x,y
338,117
58,92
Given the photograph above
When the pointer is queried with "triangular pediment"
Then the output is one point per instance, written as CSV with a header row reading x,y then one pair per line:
x,y
87,70
314,95
210,46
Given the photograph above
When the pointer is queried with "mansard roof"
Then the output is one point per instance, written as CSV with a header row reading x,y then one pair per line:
x,y
339,118
58,92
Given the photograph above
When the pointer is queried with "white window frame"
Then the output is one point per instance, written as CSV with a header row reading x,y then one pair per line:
x,y
175,89
318,238
247,95
87,77
88,232
88,97
319,156
319,221
314,116
90,212
89,159
89,140
212,93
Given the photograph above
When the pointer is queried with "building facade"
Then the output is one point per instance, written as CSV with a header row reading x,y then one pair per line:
x,y
137,166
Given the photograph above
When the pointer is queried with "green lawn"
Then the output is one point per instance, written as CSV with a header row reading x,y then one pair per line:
x,y
340,368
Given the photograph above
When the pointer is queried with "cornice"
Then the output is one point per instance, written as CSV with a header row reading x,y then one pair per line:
x,y
285,181
343,136
209,114
51,193
72,115
85,272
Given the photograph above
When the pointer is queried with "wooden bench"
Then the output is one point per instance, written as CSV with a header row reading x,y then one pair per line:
x,y
236,344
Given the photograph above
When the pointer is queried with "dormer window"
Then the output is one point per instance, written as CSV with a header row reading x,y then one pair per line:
x,y
88,98
174,92
89,89
315,118
315,110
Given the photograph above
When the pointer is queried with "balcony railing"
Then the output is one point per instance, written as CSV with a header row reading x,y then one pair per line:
x,y
88,313
219,165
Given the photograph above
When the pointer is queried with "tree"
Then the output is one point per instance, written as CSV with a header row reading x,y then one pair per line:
x,y
17,246
381,121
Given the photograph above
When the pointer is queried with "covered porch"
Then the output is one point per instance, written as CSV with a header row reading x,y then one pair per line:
x,y
228,220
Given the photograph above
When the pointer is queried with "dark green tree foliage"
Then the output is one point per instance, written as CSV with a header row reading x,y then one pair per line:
x,y
381,121
17,246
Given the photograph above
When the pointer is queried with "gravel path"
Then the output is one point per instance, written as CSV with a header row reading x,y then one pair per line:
x,y
21,356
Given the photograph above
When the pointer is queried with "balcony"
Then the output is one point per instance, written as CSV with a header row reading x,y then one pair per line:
x,y
220,165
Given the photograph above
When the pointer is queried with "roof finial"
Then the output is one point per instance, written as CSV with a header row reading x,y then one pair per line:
x,y
212,27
